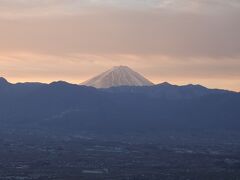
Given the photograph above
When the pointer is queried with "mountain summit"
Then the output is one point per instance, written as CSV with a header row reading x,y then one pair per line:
x,y
118,76
3,82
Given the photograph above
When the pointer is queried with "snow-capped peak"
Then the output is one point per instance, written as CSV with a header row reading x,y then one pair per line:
x,y
118,76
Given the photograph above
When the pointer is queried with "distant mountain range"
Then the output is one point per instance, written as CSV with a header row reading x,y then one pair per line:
x,y
69,107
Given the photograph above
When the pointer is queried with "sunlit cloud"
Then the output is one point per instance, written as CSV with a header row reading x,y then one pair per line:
x,y
33,8
181,41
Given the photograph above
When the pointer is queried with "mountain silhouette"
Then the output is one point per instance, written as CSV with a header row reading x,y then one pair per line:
x,y
167,90
163,107
3,82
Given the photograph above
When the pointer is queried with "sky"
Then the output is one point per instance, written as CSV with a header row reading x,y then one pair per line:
x,y
179,41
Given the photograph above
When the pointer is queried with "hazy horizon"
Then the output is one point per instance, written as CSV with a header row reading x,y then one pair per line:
x,y
176,41
81,83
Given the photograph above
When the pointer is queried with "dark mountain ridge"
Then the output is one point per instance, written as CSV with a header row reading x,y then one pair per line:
x,y
169,91
74,108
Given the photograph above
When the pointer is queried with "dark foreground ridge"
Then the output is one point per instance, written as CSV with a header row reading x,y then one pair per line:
x,y
126,108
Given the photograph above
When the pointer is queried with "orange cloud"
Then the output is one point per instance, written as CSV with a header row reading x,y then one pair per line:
x,y
178,41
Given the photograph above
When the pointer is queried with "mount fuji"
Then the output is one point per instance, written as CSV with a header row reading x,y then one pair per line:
x,y
118,76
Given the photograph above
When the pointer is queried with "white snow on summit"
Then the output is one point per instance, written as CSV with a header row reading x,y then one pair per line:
x,y
118,76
